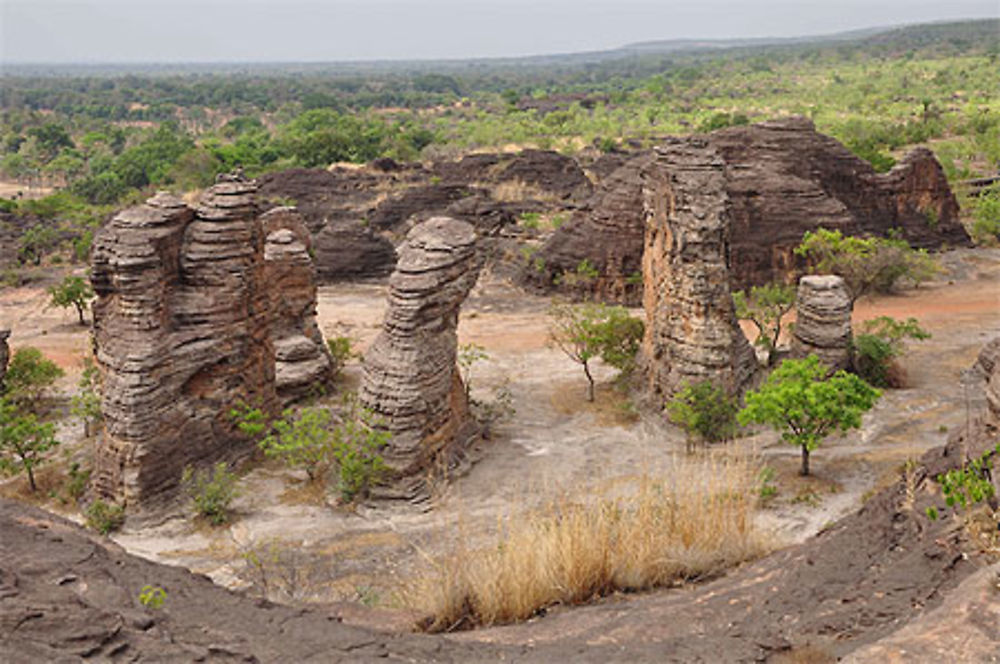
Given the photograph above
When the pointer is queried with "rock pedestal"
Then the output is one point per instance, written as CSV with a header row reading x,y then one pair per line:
x,y
691,333
823,320
192,305
411,380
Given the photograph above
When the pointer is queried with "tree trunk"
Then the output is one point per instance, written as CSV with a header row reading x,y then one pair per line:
x,y
79,312
31,478
805,461
590,382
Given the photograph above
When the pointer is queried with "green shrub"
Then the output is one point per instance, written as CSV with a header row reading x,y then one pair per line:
x,y
704,410
341,351
986,217
104,517
881,342
212,492
152,597
357,445
29,375
302,439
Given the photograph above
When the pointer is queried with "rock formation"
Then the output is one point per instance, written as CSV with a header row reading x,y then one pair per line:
x,y
410,375
988,364
783,179
188,319
691,331
301,362
603,232
4,353
823,320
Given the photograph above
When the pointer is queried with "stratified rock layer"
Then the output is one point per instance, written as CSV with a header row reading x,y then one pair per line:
x,y
782,178
192,306
823,320
989,364
410,375
603,233
691,333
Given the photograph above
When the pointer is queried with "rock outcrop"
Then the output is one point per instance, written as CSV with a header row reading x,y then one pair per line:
x,y
541,173
411,380
301,362
4,353
823,320
192,305
691,329
604,234
783,178
988,364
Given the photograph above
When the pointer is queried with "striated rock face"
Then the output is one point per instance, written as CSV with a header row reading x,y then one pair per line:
x,y
783,179
410,375
691,332
192,307
823,320
301,361
605,234
545,173
989,364
4,353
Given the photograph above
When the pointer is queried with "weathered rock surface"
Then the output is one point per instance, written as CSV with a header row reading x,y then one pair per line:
x,y
783,179
989,365
823,320
691,329
545,173
4,353
410,375
301,361
188,313
603,232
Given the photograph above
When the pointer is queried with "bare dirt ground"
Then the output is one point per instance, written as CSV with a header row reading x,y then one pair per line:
x,y
315,552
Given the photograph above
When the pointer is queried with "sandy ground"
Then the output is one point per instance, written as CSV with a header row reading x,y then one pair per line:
x,y
555,441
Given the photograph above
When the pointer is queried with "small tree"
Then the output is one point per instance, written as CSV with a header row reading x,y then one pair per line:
x,y
867,264
358,442
302,439
882,341
704,410
29,375
765,306
588,331
86,404
805,405
23,441
72,292
468,355
212,492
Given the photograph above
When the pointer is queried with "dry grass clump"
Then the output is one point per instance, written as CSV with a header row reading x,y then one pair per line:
x,y
578,547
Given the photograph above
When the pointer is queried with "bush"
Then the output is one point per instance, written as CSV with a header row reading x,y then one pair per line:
x,y
104,517
212,492
986,217
29,375
704,410
302,440
341,351
879,345
357,445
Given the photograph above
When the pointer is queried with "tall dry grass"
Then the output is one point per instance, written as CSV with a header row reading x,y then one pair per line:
x,y
694,524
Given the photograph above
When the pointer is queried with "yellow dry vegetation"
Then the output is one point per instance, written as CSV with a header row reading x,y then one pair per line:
x,y
576,547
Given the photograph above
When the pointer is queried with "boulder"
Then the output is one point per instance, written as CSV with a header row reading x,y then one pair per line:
x,y
190,305
411,380
823,320
692,333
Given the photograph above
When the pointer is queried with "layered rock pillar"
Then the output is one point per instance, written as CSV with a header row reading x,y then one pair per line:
x,y
188,306
411,379
823,320
692,333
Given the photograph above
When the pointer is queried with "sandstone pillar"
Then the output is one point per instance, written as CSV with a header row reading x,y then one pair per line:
x,y
823,320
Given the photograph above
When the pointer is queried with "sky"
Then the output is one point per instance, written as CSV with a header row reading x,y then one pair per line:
x,y
145,31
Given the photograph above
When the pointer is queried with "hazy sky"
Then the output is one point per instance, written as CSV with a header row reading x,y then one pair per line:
x,y
323,30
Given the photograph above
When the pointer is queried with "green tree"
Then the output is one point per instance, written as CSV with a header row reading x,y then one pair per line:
x,y
86,403
705,410
881,342
805,405
867,264
765,306
23,440
358,441
588,331
72,292
29,375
